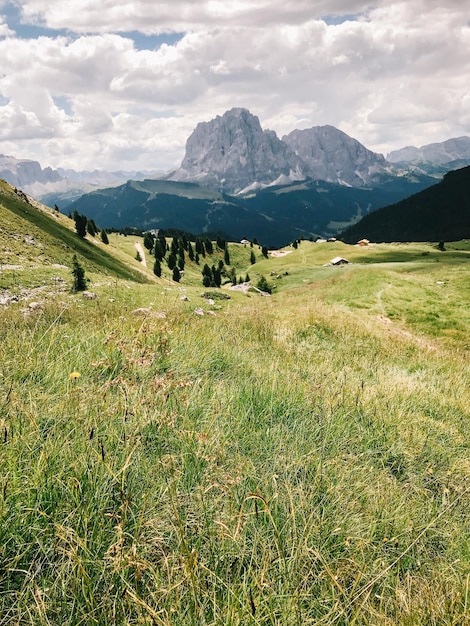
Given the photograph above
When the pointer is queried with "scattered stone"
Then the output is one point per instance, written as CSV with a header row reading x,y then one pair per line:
x,y
7,298
210,312
34,306
185,299
141,311
199,311
160,315
210,301
89,295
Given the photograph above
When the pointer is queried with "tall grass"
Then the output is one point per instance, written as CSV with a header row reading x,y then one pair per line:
x,y
283,462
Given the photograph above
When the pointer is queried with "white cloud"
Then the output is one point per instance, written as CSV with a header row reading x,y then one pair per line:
x,y
394,75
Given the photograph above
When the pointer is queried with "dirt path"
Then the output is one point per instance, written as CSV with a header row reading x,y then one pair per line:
x,y
141,251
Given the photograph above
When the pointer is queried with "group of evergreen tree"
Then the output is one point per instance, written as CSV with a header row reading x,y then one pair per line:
x,y
85,225
179,249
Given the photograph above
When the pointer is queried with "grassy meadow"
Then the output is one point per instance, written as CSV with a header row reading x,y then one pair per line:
x,y
287,460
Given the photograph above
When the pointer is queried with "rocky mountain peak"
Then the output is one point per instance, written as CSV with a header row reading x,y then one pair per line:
x,y
334,156
232,152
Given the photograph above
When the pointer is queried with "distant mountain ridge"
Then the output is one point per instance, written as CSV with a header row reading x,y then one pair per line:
x,y
234,154
49,185
455,149
25,172
275,215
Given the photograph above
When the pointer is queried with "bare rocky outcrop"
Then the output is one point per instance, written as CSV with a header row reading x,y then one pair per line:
x,y
331,155
232,152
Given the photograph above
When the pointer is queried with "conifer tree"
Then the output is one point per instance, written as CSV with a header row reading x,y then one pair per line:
x,y
176,275
190,251
91,227
104,237
171,260
181,259
79,280
80,224
263,285
226,256
252,258
208,246
149,240
157,268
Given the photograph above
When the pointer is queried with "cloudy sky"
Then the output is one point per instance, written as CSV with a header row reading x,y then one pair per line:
x,y
120,84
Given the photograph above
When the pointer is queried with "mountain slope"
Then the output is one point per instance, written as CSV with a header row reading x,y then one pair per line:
x,y
441,212
275,215
50,238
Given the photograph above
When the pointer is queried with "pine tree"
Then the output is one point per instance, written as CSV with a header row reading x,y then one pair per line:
x,y
159,251
176,275
104,237
190,251
80,224
171,260
79,280
252,258
208,246
149,240
264,251
91,227
181,259
174,246
157,268
263,285
226,256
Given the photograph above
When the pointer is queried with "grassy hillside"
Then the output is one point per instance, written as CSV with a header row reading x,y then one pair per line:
x,y
295,459
35,237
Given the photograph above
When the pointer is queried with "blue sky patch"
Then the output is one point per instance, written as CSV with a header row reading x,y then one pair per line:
x,y
152,42
12,16
63,104
334,20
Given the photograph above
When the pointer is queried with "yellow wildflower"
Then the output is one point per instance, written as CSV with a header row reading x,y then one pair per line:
x,y
74,375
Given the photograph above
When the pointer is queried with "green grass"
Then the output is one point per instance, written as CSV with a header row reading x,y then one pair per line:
x,y
299,459
51,239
